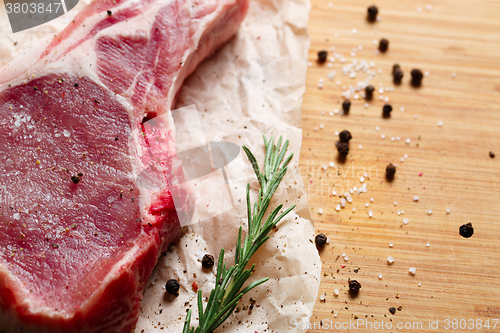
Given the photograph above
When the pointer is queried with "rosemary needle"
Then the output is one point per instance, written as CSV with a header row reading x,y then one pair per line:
x,y
228,288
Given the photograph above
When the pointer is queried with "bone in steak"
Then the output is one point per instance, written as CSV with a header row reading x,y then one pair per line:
x,y
78,236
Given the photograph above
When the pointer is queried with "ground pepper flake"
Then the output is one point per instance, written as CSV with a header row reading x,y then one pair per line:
x,y
392,310
492,154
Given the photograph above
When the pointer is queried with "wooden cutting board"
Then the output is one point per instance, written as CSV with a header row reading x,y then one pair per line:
x,y
456,285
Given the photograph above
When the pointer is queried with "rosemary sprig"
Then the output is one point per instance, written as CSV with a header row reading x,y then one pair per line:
x,y
228,288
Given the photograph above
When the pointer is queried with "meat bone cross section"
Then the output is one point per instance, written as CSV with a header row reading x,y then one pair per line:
x,y
79,237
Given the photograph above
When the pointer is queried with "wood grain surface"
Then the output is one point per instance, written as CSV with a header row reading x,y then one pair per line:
x,y
448,167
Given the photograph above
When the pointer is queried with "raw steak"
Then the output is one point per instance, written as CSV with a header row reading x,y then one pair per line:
x,y
78,236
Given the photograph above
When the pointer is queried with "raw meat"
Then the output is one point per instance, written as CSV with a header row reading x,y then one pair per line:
x,y
78,236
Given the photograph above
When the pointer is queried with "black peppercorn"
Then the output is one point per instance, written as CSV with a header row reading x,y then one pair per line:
x,y
346,106
320,240
416,77
208,261
372,13
390,170
369,92
466,230
172,287
345,136
492,154
386,110
397,75
392,310
322,56
383,45
354,286
343,149
75,179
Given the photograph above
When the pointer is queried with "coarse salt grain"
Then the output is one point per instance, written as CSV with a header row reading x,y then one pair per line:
x,y
353,209
331,75
412,270
440,123
330,5
336,133
428,7
353,31
337,208
429,212
380,276
367,105
331,114
336,292
360,147
415,198
395,203
407,141
321,126
419,9
16,216
334,193
382,136
361,179
322,297
66,133
320,211
331,164
372,200
453,75
448,211
391,245
406,221
427,244
390,260
370,213
367,205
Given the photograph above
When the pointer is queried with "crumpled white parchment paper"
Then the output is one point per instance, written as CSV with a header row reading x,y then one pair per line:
x,y
252,86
